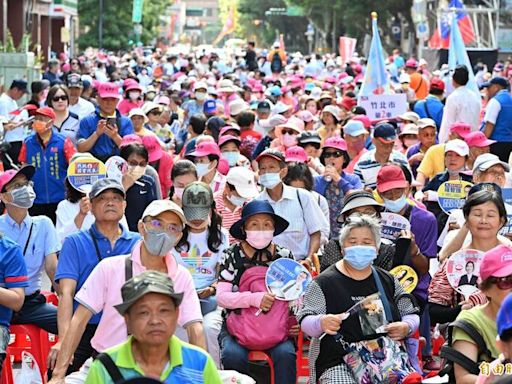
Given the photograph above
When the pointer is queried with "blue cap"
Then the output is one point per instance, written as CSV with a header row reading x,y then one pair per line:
x,y
20,84
253,208
275,91
385,132
210,106
501,81
504,316
309,87
354,128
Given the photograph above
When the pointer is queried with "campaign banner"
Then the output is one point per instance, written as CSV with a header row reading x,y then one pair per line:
x,y
506,193
116,167
383,106
406,276
452,195
391,224
287,279
463,271
84,172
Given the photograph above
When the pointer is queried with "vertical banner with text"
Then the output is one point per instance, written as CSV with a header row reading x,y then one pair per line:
x,y
137,11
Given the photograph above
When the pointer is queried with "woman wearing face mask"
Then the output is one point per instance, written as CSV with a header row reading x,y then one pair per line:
x,y
132,98
183,173
335,183
255,230
455,156
287,134
335,291
206,158
230,149
240,188
199,250
355,134
408,137
140,188
49,152
331,118
66,122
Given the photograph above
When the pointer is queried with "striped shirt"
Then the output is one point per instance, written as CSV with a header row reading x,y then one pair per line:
x,y
367,167
228,217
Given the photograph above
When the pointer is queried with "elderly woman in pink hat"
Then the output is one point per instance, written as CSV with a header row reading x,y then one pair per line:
x,y
287,134
132,97
335,183
207,157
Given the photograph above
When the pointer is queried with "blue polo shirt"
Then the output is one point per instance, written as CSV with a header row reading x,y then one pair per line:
x,y
104,146
13,273
43,242
78,256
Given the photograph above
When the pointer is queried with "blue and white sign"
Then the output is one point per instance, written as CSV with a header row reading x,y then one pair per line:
x,y
452,195
392,224
287,279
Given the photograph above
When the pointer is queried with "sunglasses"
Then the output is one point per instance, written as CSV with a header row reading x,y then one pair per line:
x,y
60,98
288,131
336,154
503,283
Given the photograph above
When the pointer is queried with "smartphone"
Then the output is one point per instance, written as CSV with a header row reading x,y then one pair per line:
x,y
111,121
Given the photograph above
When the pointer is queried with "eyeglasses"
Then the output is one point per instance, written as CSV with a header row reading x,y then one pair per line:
x,y
288,131
133,163
336,154
60,98
159,226
156,113
502,283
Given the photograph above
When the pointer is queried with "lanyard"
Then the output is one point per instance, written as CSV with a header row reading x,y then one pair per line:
x,y
95,242
28,239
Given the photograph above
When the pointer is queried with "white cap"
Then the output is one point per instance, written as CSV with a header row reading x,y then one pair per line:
x,y
409,116
426,122
487,160
333,110
458,146
156,207
244,182
280,107
136,112
200,85
237,106
273,122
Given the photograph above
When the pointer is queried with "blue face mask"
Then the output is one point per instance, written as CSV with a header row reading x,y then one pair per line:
x,y
231,157
360,256
270,180
395,206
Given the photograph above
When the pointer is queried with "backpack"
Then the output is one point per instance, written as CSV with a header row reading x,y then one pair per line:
x,y
276,64
452,356
265,330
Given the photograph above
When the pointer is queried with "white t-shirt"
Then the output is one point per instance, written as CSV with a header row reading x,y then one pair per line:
x,y
8,105
82,108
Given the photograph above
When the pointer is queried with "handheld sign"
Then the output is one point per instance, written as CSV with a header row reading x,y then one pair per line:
x,y
392,224
287,279
84,172
380,107
506,193
406,276
452,195
463,271
116,167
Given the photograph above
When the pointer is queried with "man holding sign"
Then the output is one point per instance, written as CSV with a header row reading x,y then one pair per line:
x,y
101,132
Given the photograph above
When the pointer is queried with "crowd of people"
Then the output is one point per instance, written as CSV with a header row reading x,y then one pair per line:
x,y
228,164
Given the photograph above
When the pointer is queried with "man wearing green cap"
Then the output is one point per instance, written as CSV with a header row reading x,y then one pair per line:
x,y
150,308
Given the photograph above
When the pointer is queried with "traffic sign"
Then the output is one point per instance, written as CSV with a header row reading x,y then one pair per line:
x,y
137,11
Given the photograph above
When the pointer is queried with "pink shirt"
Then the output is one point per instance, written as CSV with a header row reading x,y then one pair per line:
x,y
102,290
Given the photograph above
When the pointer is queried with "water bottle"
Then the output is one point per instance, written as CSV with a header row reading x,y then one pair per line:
x,y
328,178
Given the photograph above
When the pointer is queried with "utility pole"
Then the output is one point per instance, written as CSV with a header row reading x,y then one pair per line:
x,y
100,26
4,21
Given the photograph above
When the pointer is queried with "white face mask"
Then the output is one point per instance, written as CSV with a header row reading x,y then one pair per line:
x,y
202,169
133,95
237,200
136,171
200,96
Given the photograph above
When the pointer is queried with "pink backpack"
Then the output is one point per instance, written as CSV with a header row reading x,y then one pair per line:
x,y
262,332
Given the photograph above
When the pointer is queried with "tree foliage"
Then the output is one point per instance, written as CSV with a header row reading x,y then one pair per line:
x,y
117,22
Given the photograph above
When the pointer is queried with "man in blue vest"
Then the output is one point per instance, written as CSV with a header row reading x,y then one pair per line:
x,y
49,152
100,133
498,117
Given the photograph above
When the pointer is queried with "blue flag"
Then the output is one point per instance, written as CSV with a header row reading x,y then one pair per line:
x,y
457,54
376,79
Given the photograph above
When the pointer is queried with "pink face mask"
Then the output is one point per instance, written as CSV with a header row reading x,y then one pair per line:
x,y
356,146
259,239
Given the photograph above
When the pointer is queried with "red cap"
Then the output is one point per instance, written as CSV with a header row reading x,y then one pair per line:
x,y
347,103
108,91
297,154
437,83
363,119
478,139
206,148
46,111
462,129
390,177
153,146
497,262
336,143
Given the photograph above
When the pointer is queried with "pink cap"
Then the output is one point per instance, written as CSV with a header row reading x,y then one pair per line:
x,y
108,90
336,143
363,119
133,86
228,128
206,148
497,262
153,146
164,100
128,82
131,138
305,116
411,63
478,139
224,139
297,154
462,129
7,176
